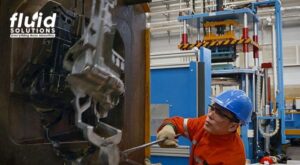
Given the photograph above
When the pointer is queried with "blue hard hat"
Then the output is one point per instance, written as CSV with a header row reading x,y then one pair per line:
x,y
237,102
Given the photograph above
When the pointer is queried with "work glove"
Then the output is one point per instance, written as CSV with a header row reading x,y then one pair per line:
x,y
148,162
168,133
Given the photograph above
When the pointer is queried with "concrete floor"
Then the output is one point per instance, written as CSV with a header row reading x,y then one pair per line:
x,y
293,152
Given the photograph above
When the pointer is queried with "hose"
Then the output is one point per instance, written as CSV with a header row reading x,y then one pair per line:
x,y
259,102
269,134
258,94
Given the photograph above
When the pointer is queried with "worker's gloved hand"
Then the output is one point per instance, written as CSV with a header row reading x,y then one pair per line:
x,y
168,133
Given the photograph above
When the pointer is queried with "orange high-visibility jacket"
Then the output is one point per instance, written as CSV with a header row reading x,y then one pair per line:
x,y
208,148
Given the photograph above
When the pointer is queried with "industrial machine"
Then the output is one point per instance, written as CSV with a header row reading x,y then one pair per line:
x,y
226,33
292,119
63,98
180,82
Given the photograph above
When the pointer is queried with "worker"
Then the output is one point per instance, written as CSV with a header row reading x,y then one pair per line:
x,y
214,137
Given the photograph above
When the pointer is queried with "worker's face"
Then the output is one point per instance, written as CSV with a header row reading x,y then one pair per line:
x,y
220,122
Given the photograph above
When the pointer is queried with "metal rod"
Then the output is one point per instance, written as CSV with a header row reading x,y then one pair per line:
x,y
157,6
143,146
126,152
184,37
274,56
255,49
245,50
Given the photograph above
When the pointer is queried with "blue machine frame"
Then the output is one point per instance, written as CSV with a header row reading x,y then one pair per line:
x,y
279,60
161,78
219,15
292,123
178,87
252,17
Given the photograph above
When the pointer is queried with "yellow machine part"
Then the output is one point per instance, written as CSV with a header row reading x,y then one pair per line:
x,y
227,35
292,131
221,23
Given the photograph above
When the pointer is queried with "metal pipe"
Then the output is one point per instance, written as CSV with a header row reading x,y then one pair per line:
x,y
254,93
255,49
209,30
200,6
269,111
255,98
266,108
184,37
274,56
170,56
245,34
186,52
231,27
161,5
245,50
271,11
267,140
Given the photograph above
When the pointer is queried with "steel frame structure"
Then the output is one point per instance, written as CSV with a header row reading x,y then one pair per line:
x,y
249,76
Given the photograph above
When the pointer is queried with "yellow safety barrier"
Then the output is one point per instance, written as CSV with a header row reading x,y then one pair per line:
x,y
217,43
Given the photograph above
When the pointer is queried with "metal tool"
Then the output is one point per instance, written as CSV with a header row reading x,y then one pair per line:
x,y
143,146
125,153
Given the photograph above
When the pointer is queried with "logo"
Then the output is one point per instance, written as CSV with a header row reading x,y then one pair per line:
x,y
35,27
